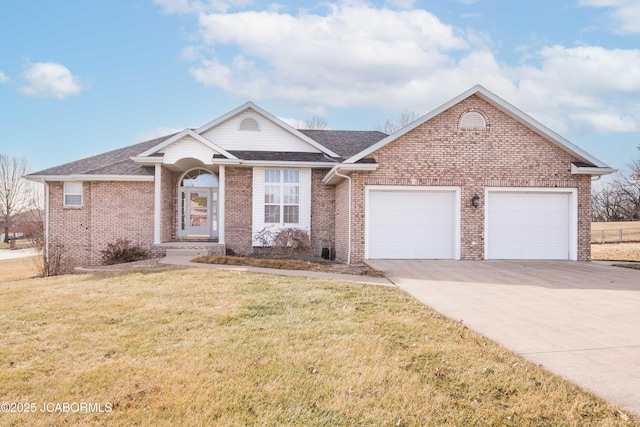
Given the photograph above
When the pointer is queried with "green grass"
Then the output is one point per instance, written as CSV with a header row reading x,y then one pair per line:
x,y
171,347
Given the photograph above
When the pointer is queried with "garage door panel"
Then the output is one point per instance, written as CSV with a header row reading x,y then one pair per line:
x,y
528,225
406,224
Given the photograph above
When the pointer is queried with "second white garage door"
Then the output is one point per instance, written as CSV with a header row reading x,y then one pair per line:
x,y
412,224
529,225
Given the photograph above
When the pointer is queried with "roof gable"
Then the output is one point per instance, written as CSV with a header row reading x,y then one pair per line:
x,y
272,134
501,105
190,140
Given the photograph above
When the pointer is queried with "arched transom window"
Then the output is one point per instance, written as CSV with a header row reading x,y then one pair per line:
x,y
199,178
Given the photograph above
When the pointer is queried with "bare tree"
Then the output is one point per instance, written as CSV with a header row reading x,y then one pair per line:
x,y
629,189
12,189
316,122
392,125
607,203
618,199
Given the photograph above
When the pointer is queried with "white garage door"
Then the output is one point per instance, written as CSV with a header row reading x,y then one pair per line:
x,y
528,225
411,224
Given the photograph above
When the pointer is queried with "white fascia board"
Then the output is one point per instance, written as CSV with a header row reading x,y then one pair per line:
x,y
164,144
83,177
332,178
502,105
251,106
211,145
147,161
284,164
411,126
590,170
537,127
179,136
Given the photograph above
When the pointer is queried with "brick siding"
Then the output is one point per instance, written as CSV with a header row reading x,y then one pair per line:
x,y
438,153
322,212
110,210
238,202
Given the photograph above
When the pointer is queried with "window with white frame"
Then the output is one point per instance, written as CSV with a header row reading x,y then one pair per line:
x,y
72,194
281,196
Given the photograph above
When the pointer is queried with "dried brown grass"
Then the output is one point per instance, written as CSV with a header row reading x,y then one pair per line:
x,y
173,347
615,252
18,269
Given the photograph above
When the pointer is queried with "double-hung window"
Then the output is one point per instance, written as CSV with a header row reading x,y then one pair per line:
x,y
72,194
281,196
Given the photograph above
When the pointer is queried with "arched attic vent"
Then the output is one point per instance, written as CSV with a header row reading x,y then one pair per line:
x,y
473,120
249,124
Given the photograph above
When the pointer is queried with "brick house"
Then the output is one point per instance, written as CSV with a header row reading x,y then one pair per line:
x,y
474,179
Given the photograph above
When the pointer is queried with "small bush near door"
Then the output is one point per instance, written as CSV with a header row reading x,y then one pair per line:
x,y
285,241
123,251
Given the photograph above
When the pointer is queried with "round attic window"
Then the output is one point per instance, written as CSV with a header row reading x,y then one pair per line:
x,y
473,120
249,124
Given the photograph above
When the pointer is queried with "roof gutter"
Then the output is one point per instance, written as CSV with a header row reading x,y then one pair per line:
x,y
591,170
330,177
88,177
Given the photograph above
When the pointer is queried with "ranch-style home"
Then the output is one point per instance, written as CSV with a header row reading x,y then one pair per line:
x,y
474,179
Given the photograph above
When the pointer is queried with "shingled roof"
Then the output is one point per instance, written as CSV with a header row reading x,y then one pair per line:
x,y
118,162
347,143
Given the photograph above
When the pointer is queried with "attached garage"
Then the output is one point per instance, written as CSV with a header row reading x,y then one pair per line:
x,y
526,223
412,222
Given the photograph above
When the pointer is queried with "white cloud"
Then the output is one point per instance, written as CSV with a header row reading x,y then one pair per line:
x,y
50,80
353,50
624,13
3,78
358,55
585,87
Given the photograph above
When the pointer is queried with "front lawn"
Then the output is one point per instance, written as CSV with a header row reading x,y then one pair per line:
x,y
168,347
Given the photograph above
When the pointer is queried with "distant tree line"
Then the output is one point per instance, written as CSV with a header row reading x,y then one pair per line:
x,y
619,199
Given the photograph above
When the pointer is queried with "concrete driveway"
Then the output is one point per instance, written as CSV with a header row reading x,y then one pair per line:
x,y
579,320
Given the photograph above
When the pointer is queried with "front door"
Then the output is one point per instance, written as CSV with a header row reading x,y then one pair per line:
x,y
200,211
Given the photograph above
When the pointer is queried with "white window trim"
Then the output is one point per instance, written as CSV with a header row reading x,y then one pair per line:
x,y
66,192
281,185
258,205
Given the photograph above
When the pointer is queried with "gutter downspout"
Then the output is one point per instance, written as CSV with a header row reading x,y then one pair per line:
x,y
349,232
46,221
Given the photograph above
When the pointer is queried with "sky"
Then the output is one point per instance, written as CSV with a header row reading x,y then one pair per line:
x,y
81,77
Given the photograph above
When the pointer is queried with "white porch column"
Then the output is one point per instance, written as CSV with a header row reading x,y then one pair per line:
x,y
221,187
157,204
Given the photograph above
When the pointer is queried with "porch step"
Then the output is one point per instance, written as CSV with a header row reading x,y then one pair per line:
x,y
187,252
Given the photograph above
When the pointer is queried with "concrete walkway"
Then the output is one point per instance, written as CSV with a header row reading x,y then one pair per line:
x,y
579,320
186,261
